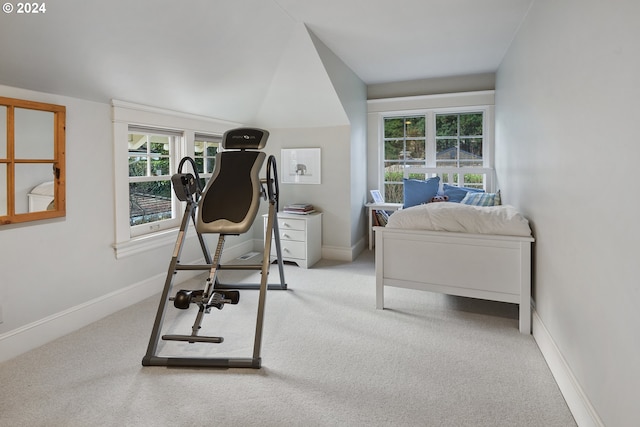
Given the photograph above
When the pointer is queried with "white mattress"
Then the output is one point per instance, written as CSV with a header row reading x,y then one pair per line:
x,y
502,220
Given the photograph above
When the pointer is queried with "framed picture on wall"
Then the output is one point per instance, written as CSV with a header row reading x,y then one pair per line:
x,y
300,166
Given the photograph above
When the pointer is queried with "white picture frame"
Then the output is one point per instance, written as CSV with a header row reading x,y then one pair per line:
x,y
377,196
300,166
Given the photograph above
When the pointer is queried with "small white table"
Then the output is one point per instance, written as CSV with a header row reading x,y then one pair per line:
x,y
379,207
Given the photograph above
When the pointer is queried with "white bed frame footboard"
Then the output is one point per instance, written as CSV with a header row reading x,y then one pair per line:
x,y
490,267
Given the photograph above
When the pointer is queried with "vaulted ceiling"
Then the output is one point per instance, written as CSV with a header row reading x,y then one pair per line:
x,y
228,58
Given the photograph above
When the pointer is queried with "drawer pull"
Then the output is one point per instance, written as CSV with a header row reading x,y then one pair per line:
x,y
285,235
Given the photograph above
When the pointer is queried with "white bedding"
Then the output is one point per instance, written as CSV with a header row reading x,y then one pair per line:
x,y
502,220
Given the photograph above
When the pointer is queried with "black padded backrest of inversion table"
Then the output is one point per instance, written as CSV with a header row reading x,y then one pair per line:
x,y
231,199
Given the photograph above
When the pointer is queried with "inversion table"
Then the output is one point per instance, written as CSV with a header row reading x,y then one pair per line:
x,y
227,206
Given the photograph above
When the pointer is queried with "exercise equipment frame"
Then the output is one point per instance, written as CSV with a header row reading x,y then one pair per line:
x,y
215,293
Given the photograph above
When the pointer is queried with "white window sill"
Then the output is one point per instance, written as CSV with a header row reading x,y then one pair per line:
x,y
147,242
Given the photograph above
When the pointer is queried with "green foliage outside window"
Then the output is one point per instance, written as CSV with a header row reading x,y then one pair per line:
x,y
459,139
458,142
149,199
404,137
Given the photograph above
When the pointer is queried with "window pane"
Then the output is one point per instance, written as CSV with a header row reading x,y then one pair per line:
x,y
205,164
160,166
211,163
212,149
471,124
137,166
205,155
459,141
447,152
137,143
149,201
473,180
446,125
393,172
199,164
159,144
415,149
394,127
206,148
393,193
415,126
471,151
446,144
420,176
393,150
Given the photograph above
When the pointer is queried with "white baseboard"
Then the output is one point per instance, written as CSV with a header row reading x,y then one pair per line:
x,y
583,412
40,332
336,253
232,252
341,253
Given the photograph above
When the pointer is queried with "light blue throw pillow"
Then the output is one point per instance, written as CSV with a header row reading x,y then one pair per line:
x,y
456,194
482,199
417,192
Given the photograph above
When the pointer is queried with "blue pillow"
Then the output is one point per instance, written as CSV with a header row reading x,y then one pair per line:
x,y
482,199
417,192
456,194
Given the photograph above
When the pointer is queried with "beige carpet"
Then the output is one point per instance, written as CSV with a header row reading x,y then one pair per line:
x,y
329,359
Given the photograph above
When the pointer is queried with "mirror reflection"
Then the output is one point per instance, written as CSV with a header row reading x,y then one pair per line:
x,y
34,188
32,139
34,133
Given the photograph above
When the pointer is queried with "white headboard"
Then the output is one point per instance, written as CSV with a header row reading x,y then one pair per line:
x,y
455,176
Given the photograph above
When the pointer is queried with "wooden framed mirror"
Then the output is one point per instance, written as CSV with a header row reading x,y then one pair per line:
x,y
32,167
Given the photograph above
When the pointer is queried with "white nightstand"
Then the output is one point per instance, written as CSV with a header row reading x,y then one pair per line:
x,y
300,238
379,207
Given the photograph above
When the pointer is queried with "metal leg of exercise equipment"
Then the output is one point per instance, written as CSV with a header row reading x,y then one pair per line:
x,y
214,295
151,359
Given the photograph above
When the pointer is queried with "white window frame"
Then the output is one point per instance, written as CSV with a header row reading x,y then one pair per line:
x,y
209,138
126,242
430,146
176,152
430,105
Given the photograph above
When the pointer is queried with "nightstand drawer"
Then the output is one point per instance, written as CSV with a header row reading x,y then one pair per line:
x,y
291,249
291,224
297,235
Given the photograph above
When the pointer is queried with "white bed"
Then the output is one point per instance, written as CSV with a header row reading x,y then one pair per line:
x,y
41,196
491,262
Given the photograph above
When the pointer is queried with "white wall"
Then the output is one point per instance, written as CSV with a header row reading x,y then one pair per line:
x,y
331,197
37,279
58,275
566,154
432,86
352,93
339,130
